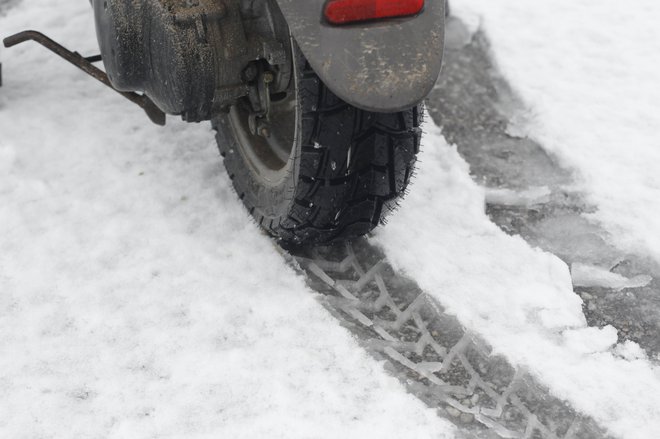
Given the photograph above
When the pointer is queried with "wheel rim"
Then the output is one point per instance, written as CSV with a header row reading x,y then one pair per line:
x,y
269,158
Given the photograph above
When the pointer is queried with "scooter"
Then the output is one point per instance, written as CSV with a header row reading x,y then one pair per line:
x,y
316,104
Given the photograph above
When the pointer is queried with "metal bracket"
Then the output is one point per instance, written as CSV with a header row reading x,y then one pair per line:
x,y
85,64
259,118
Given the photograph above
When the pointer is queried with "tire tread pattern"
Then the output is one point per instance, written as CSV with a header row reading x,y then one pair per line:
x,y
354,167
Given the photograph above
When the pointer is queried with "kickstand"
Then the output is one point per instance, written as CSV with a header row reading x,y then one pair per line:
x,y
85,64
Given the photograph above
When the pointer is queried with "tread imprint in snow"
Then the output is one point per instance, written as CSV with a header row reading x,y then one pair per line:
x,y
431,353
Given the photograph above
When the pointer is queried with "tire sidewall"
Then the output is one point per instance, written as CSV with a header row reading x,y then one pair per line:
x,y
268,202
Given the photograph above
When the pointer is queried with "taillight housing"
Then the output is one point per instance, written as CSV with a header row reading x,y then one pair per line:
x,y
351,11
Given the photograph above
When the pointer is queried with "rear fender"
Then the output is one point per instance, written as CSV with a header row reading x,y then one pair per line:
x,y
382,66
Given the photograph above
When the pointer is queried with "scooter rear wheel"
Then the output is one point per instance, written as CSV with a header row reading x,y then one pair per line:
x,y
327,170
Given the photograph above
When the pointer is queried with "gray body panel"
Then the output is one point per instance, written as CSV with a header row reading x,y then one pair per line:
x,y
379,66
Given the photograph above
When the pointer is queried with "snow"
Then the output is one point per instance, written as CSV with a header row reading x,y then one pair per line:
x,y
138,300
590,340
518,298
630,351
588,73
136,297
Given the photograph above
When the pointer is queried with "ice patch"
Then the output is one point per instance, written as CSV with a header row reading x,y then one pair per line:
x,y
585,275
509,197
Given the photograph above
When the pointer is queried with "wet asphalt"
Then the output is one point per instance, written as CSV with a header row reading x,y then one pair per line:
x,y
474,104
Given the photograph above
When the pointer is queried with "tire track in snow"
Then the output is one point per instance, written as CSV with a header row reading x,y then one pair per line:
x,y
440,362
530,194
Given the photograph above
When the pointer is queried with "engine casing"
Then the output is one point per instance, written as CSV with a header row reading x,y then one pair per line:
x,y
188,56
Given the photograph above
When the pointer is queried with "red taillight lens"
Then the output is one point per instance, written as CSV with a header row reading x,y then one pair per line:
x,y
349,11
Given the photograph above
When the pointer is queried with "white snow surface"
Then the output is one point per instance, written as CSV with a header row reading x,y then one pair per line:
x,y
136,297
588,74
630,350
138,300
518,298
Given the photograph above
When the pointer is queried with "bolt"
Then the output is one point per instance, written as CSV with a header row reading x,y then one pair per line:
x,y
268,77
264,132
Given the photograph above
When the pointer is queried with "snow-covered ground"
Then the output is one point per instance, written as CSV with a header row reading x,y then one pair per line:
x,y
136,298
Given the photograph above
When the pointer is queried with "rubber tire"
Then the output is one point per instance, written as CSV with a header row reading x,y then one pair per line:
x,y
324,198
